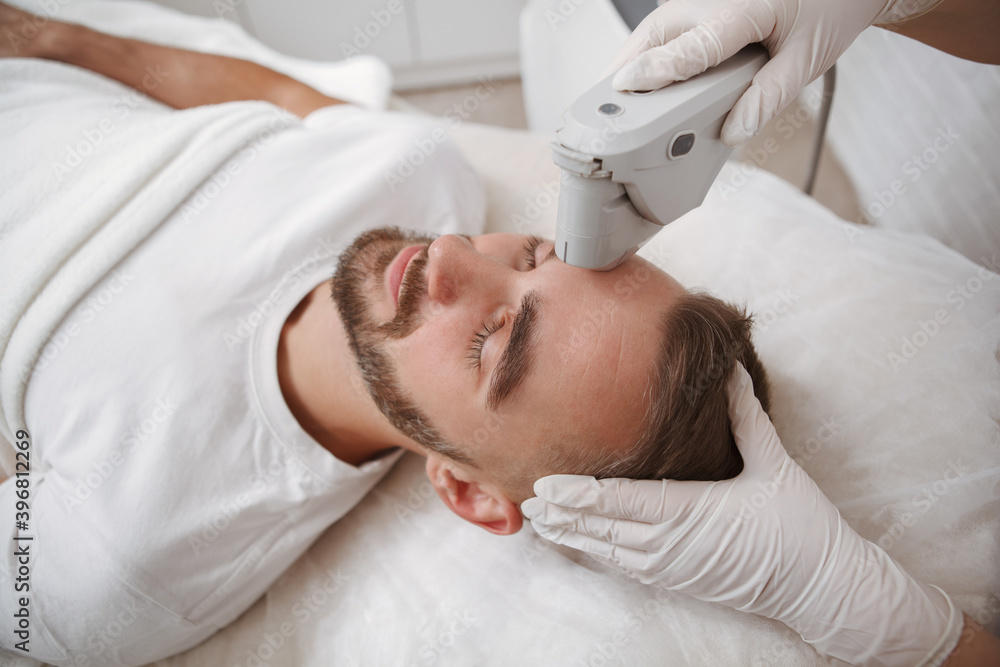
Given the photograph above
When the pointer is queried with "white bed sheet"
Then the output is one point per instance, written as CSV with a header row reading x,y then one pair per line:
x,y
916,131
910,455
400,581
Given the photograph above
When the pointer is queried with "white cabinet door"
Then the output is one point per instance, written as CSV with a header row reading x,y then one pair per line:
x,y
459,41
200,8
467,29
426,42
334,29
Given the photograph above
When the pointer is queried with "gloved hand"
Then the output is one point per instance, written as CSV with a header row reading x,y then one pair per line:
x,y
767,541
682,38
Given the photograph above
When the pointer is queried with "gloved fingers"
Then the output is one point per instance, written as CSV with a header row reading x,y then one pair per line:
x,y
620,532
648,501
642,501
633,560
739,391
662,25
753,431
705,45
565,490
776,85
541,512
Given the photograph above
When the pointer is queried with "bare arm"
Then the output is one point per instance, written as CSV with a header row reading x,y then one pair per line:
x,y
176,77
977,647
965,28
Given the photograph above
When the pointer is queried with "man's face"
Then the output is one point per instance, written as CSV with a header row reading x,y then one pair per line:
x,y
501,346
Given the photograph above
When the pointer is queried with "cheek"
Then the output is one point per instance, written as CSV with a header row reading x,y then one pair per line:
x,y
431,369
494,440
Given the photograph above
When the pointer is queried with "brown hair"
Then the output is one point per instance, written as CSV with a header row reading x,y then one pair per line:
x,y
687,434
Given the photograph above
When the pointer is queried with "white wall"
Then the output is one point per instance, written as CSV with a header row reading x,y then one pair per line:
x,y
426,42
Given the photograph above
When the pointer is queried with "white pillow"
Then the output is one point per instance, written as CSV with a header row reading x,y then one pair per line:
x,y
520,180
417,586
883,349
917,132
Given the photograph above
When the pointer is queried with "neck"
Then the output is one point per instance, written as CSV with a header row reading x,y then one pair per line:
x,y
323,387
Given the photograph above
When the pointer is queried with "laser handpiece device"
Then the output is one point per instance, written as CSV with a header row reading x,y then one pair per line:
x,y
634,162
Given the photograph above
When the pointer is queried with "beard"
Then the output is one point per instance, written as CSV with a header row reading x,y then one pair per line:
x,y
359,275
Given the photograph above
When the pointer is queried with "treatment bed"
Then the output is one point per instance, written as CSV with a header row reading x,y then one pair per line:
x,y
883,349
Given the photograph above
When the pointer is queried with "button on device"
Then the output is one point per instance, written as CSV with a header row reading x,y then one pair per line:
x,y
681,145
609,109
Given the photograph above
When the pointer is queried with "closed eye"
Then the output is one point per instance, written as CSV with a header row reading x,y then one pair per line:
x,y
530,246
475,353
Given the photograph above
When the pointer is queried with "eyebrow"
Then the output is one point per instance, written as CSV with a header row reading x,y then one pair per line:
x,y
515,361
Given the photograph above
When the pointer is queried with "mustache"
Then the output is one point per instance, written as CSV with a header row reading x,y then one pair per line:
x,y
412,292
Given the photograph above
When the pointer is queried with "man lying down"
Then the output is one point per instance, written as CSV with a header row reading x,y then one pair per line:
x,y
204,412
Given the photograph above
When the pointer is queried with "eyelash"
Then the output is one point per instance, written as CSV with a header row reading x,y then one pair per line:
x,y
475,355
530,246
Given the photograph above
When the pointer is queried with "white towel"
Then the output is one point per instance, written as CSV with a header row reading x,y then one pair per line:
x,y
49,111
84,183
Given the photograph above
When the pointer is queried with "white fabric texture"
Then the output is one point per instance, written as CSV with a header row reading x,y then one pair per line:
x,y
419,587
183,151
65,221
173,480
832,303
911,457
172,484
916,131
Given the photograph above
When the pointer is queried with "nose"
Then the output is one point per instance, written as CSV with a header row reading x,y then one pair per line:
x,y
455,267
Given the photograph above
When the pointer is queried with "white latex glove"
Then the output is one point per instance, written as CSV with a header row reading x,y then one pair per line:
x,y
767,541
682,38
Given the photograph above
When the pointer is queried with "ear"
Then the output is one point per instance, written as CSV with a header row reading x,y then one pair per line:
x,y
473,497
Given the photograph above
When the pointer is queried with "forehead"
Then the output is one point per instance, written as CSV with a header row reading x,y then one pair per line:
x,y
598,340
